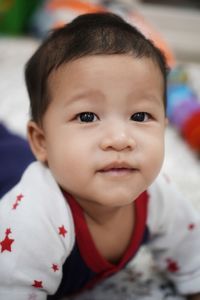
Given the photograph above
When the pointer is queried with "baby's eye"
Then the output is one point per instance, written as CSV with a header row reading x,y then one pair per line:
x,y
140,117
87,117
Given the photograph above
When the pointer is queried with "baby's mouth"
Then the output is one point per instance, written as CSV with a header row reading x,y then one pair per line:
x,y
117,169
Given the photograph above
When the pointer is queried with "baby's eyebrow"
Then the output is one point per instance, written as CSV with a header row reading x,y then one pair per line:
x,y
152,98
88,95
155,99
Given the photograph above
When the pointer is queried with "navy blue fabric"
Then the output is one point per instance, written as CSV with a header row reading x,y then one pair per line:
x,y
76,274
15,156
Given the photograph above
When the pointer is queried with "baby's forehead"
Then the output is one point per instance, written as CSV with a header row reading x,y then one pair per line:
x,y
104,76
102,61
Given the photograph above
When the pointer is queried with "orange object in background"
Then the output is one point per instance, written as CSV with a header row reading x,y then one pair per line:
x,y
76,5
150,32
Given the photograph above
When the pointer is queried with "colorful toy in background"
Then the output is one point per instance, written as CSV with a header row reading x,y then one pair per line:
x,y
15,15
184,108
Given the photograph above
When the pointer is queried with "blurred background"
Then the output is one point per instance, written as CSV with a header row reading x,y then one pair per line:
x,y
173,25
178,21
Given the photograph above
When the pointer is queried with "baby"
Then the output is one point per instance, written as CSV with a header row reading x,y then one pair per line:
x,y
80,213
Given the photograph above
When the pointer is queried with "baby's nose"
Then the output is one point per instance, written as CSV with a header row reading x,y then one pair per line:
x,y
118,138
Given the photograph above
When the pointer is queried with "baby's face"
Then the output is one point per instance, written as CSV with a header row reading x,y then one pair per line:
x,y
104,127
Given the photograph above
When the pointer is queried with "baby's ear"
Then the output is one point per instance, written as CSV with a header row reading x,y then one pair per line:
x,y
37,141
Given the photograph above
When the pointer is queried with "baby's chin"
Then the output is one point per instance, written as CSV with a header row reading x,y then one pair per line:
x,y
119,200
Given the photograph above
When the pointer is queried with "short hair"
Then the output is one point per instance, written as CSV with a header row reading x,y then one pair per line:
x,y
88,34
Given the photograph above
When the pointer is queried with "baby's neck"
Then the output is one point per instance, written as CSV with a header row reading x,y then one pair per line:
x,y
103,216
112,232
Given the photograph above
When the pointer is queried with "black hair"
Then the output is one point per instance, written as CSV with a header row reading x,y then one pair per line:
x,y
88,34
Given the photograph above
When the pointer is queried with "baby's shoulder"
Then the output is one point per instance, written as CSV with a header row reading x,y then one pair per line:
x,y
36,231
36,206
162,190
167,204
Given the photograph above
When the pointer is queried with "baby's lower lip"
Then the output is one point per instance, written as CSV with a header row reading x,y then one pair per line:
x,y
117,171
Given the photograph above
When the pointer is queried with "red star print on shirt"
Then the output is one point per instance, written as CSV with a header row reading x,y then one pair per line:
x,y
55,267
37,284
19,197
172,266
15,205
191,226
8,231
17,201
62,231
7,242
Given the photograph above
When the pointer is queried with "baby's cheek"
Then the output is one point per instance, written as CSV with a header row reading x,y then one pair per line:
x,y
154,161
